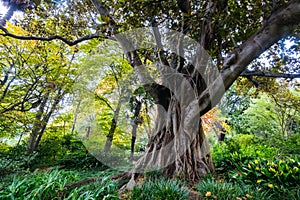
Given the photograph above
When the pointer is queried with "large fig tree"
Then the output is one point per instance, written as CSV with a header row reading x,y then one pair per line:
x,y
229,36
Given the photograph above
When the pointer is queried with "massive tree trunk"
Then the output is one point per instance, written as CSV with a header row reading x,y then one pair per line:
x,y
178,147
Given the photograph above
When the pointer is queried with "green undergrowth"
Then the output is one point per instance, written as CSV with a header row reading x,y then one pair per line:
x,y
246,168
50,185
269,166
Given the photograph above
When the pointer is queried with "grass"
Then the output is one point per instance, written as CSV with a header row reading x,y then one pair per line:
x,y
160,189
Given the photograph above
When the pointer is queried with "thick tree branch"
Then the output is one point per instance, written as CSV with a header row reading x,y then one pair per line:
x,y
254,81
157,38
269,74
280,24
53,37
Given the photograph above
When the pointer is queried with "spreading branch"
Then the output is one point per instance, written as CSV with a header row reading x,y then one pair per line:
x,y
52,37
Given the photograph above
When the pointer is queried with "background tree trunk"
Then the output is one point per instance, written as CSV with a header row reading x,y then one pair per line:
x,y
113,126
219,130
135,125
38,123
133,138
42,119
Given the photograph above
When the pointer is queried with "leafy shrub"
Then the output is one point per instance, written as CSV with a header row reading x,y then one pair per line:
x,y
245,140
239,150
233,154
54,147
241,160
276,173
79,161
15,160
259,165
291,146
159,189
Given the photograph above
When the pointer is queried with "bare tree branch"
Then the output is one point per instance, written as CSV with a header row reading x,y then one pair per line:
x,y
269,74
52,37
105,101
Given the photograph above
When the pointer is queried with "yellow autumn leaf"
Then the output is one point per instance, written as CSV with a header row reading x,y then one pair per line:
x,y
17,30
271,169
259,181
208,194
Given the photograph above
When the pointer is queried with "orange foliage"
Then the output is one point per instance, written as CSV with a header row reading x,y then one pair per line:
x,y
213,116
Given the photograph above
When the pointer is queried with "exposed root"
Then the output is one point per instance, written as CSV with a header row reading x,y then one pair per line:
x,y
121,177
194,195
118,177
82,182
